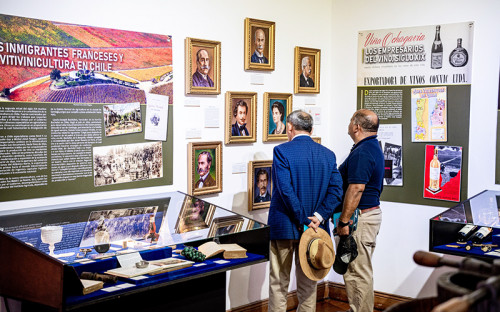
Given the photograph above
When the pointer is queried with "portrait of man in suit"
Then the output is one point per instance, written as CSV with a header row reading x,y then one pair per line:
x,y
240,111
262,192
305,77
203,169
200,76
259,38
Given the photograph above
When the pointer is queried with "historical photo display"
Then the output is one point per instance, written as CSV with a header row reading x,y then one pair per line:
x,y
259,184
277,106
241,115
259,44
202,66
122,118
307,68
195,214
205,167
225,225
127,163
443,168
391,141
429,114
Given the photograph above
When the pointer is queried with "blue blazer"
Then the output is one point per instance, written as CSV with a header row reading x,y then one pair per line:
x,y
305,181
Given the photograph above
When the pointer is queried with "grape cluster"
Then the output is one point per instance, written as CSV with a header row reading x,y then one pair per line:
x,y
192,254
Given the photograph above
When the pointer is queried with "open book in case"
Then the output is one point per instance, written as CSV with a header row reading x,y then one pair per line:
x,y
45,250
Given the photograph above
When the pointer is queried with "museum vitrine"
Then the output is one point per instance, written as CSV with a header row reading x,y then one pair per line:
x,y
471,228
129,248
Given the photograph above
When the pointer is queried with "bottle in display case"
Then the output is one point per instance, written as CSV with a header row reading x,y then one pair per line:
x,y
481,235
459,56
434,172
465,233
437,50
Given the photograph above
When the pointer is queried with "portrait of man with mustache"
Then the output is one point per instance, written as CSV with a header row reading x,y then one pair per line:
x,y
200,77
260,43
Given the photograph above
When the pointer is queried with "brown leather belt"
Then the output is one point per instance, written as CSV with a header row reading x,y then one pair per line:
x,y
361,211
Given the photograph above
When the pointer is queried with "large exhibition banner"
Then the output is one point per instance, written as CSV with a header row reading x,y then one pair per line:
x,y
418,77
73,101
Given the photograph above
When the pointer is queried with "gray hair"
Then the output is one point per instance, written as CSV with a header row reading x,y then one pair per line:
x,y
300,120
198,54
304,61
368,122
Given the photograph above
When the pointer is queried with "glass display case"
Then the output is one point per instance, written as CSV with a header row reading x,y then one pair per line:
x,y
471,228
45,250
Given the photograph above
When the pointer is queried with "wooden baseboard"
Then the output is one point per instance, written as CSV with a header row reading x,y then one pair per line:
x,y
326,290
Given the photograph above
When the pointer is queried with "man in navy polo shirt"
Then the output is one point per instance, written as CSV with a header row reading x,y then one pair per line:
x,y
362,175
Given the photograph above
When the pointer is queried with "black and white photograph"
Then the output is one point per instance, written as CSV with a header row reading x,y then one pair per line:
x,y
127,163
120,224
122,118
391,142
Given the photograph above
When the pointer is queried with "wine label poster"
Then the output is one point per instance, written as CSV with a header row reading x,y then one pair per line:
x,y
429,115
390,138
443,167
44,61
425,55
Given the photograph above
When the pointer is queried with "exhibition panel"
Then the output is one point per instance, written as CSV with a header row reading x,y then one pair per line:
x,y
87,255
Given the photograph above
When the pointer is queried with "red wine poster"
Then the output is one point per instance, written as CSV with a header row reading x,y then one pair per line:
x,y
443,167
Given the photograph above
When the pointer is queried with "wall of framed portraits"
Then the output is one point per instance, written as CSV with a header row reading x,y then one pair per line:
x,y
321,37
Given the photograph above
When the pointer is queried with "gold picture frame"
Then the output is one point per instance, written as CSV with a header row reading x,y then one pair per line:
x,y
256,179
204,156
196,81
259,32
311,83
281,104
195,214
240,126
225,225
316,139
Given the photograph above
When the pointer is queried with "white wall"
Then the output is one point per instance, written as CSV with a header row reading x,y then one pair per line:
x,y
405,228
331,26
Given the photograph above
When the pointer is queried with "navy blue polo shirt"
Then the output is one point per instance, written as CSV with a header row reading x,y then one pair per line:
x,y
365,165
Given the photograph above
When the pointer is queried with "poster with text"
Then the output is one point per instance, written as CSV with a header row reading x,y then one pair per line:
x,y
390,138
45,61
443,166
428,115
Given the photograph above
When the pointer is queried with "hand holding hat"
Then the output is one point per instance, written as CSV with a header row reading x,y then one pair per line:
x,y
347,251
316,254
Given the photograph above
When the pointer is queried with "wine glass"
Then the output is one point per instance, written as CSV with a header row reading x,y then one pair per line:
x,y
51,235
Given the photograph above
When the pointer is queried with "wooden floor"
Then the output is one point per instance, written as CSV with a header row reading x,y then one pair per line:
x,y
330,305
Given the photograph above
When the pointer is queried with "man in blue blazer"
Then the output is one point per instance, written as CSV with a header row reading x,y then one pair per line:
x,y
307,187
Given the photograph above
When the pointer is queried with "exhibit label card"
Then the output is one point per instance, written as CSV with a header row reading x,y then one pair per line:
x,y
391,141
156,117
443,168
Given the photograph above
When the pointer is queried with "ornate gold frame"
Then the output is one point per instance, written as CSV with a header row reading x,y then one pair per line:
x,y
222,222
266,136
266,26
300,52
193,147
214,46
252,165
316,139
180,225
251,125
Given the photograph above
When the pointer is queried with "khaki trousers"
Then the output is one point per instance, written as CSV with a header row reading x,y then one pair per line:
x,y
359,276
280,259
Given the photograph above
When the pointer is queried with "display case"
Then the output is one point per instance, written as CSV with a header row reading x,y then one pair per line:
x,y
478,212
45,250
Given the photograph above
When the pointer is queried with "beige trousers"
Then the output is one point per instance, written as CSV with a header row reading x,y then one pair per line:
x,y
359,276
280,258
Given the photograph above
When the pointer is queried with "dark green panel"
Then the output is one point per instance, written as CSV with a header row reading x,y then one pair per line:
x,y
497,167
86,184
414,153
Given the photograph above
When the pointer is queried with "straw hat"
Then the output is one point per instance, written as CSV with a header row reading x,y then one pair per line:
x,y
316,254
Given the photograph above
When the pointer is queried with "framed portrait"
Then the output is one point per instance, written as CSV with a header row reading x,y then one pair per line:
x,y
202,66
276,107
307,67
205,168
195,214
241,117
225,225
316,139
259,44
260,186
